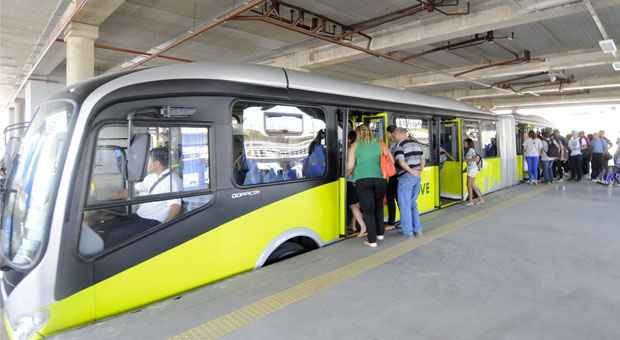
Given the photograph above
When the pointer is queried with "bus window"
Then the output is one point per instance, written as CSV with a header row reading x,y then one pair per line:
x,y
488,134
471,129
119,209
419,131
277,143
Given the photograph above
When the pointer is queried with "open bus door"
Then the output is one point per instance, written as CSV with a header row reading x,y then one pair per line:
x,y
451,182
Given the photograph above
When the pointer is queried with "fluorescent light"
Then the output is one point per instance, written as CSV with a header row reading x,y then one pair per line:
x,y
608,46
616,66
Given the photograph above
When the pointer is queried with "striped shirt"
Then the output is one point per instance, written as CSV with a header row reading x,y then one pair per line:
x,y
409,151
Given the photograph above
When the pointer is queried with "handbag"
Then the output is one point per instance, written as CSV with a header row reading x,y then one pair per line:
x,y
387,166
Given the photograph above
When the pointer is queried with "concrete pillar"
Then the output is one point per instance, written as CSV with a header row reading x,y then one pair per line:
x,y
19,112
80,40
36,92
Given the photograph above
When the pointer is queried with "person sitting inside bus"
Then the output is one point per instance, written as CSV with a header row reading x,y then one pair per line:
x,y
314,164
160,180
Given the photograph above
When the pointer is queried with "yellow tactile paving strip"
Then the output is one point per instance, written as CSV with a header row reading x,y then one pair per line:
x,y
233,321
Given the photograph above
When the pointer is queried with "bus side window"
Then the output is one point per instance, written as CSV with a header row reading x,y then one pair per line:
x,y
178,181
489,139
277,143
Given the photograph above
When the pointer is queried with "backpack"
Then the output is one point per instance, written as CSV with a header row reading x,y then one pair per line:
x,y
314,164
552,150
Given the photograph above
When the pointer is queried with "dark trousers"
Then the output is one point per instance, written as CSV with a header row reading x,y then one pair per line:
x,y
558,169
371,192
120,229
574,163
597,164
392,198
585,163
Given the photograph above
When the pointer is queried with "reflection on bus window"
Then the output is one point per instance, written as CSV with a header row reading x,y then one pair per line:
x,y
419,131
278,143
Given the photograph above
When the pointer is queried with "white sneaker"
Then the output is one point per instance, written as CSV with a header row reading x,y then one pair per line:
x,y
371,245
380,237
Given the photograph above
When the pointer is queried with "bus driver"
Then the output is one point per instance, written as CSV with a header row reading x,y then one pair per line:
x,y
160,180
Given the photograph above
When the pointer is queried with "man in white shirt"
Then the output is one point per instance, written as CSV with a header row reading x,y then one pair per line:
x,y
574,161
160,180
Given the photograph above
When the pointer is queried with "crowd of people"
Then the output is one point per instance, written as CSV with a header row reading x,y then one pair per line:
x,y
552,157
367,184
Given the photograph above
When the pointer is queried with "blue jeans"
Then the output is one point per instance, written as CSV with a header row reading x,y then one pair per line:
x,y
532,167
408,192
548,171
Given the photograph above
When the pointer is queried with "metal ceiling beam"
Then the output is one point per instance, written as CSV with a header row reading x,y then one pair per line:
x,y
579,99
596,19
557,62
274,19
190,34
591,83
499,15
30,66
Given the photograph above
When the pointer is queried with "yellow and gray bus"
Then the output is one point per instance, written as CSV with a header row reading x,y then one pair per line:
x,y
250,166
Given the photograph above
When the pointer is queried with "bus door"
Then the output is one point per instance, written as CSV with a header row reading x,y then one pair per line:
x,y
377,124
451,182
521,131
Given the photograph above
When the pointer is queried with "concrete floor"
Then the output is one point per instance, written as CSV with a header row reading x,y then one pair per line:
x,y
541,267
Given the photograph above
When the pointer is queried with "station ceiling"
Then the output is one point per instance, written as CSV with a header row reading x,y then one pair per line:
x,y
560,35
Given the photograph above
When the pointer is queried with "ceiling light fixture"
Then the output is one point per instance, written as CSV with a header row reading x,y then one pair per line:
x,y
608,46
616,66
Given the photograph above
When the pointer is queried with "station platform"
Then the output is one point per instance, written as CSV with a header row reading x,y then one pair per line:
x,y
535,262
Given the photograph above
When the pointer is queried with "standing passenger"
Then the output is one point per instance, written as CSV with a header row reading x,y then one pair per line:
x,y
353,201
560,164
473,160
364,163
410,158
596,146
585,153
392,187
548,156
532,148
606,155
575,158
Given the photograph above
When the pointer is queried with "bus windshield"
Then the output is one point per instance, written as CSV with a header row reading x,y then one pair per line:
x,y
32,183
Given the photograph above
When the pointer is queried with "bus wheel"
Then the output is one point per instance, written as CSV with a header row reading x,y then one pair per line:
x,y
290,248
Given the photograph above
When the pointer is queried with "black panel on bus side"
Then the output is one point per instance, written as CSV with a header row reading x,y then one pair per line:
x,y
223,209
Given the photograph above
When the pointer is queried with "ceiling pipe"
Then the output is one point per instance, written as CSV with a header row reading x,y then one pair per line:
x,y
381,55
549,4
55,35
237,10
134,52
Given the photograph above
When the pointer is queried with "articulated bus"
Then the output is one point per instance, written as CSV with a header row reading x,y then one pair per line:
x,y
134,187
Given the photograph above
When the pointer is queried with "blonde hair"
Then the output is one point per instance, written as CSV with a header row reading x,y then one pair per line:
x,y
364,134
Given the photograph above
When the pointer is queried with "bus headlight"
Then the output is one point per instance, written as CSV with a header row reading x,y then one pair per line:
x,y
28,325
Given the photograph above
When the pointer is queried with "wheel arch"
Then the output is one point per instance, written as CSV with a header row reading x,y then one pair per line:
x,y
284,237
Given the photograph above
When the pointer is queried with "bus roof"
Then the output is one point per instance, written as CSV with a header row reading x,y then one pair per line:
x,y
283,78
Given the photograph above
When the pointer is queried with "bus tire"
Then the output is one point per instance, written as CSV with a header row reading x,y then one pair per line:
x,y
290,249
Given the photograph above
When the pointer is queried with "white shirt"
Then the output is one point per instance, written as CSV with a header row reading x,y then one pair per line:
x,y
575,146
471,154
532,147
149,186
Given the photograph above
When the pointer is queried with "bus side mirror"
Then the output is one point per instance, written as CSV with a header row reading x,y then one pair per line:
x,y
137,157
